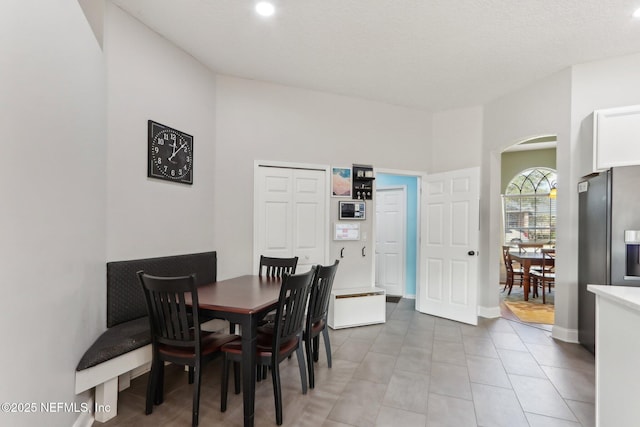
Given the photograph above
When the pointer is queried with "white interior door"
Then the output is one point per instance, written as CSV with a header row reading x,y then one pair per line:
x,y
309,220
452,221
391,239
290,215
274,211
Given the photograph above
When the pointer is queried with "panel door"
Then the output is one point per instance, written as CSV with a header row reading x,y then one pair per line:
x,y
390,239
452,221
275,198
291,215
309,217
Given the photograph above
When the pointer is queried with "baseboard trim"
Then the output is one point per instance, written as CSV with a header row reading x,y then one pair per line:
x,y
489,312
564,334
85,419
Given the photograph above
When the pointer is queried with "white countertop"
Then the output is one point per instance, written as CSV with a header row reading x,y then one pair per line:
x,y
629,296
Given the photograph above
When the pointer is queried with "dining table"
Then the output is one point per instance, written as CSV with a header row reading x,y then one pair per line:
x,y
526,260
243,301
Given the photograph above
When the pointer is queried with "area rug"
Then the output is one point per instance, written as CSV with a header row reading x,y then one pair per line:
x,y
393,299
531,312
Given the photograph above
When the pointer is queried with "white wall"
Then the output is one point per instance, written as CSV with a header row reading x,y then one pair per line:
x,y
52,209
150,79
457,139
262,121
542,108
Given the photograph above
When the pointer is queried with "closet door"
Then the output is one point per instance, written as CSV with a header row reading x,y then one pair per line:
x,y
291,210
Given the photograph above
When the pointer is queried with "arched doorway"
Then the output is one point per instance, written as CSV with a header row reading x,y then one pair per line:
x,y
528,197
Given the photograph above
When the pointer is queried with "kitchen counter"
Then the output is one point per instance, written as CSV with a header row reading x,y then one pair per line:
x,y
624,295
617,355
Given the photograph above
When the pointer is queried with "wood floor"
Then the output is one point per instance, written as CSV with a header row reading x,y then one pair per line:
x,y
414,370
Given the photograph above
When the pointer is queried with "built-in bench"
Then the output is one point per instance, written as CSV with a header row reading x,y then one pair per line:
x,y
356,307
124,349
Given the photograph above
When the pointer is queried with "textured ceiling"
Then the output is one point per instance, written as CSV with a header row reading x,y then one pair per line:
x,y
435,55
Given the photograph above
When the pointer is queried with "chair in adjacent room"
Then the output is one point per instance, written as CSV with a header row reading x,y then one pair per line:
x,y
513,273
545,275
278,340
316,322
176,336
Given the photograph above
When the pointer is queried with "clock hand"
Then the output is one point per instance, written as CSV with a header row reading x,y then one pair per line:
x,y
176,151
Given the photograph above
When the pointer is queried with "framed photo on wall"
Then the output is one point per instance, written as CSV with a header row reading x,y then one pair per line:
x,y
341,182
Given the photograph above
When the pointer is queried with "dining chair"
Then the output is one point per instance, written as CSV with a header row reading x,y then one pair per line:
x,y
176,335
277,267
316,322
512,272
530,247
277,340
545,275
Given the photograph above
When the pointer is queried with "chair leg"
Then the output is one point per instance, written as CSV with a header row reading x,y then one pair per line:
x,y
303,369
543,298
327,344
277,392
236,376
224,383
151,387
316,347
196,395
190,374
160,384
309,350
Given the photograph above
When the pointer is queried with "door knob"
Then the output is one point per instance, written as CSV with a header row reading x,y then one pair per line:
x,y
471,253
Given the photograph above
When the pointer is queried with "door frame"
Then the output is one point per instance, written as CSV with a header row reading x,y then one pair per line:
x,y
289,165
420,248
403,189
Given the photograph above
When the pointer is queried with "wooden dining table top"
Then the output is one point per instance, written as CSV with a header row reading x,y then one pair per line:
x,y
244,294
528,256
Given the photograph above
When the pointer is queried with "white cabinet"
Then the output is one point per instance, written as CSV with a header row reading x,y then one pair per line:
x,y
356,307
617,349
616,138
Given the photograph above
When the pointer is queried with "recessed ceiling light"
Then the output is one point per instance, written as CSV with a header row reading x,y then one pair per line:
x,y
636,14
264,8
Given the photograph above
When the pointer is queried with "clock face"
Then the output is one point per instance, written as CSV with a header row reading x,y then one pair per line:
x,y
170,154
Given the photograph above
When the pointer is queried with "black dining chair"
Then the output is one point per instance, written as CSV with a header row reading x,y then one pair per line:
x,y
176,336
276,341
277,267
316,322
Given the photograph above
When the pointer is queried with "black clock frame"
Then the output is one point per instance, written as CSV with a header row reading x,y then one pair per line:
x,y
155,130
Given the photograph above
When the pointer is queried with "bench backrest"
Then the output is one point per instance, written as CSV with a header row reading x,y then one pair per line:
x,y
125,299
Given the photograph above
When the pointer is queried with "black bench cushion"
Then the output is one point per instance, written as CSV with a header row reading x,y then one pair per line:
x,y
125,300
116,341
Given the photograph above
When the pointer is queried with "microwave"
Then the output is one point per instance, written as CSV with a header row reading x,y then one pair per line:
x,y
352,210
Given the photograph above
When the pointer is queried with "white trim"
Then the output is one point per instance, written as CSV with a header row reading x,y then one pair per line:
x,y
489,312
565,334
85,419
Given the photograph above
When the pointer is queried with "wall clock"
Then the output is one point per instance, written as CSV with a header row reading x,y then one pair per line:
x,y
170,154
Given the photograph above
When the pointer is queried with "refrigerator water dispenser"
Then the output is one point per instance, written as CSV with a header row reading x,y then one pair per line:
x,y
632,242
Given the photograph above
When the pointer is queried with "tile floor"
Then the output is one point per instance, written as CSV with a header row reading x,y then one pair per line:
x,y
414,370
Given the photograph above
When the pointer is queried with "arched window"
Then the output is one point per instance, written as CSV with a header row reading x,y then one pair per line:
x,y
529,206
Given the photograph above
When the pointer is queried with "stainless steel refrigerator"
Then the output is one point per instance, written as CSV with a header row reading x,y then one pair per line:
x,y
609,239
